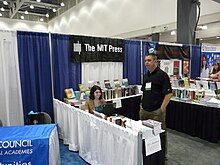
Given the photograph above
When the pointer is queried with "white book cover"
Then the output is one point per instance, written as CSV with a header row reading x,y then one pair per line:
x,y
166,66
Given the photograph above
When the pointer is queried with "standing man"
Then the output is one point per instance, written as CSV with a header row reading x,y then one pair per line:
x,y
157,92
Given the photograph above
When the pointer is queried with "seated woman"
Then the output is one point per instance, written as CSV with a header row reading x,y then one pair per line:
x,y
95,101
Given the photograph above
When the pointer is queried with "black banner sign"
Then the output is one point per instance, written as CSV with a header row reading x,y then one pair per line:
x,y
96,49
164,51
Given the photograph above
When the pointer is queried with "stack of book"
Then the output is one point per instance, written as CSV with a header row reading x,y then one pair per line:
x,y
155,125
213,102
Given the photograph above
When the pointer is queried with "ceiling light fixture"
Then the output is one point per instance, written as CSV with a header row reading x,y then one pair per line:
x,y
0,14
217,37
203,27
2,9
173,33
31,6
26,12
22,17
41,19
54,10
38,0
5,2
200,39
62,4
47,15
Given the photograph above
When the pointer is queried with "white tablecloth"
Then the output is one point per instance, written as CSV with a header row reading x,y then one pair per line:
x,y
98,141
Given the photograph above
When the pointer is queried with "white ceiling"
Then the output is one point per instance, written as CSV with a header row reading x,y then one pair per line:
x,y
210,16
14,9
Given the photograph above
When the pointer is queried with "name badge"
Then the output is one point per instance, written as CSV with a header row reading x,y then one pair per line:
x,y
148,86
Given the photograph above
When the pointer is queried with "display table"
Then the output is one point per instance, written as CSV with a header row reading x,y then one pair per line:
x,y
130,106
97,140
34,144
194,119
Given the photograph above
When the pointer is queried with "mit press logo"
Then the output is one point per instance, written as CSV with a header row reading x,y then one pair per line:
x,y
77,47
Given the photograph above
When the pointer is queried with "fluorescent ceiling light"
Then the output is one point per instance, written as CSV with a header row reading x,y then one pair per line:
x,y
54,10
5,2
41,19
62,4
31,6
22,17
217,37
38,0
0,14
26,12
203,27
173,32
2,9
47,15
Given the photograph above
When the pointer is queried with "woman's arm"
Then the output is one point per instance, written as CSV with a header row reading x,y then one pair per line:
x,y
217,79
86,108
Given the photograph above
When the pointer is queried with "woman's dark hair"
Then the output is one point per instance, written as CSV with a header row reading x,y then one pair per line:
x,y
216,70
92,91
204,59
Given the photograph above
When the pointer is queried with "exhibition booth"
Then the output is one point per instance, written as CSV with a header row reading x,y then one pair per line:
x,y
44,65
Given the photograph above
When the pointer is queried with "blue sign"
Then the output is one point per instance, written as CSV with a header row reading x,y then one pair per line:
x,y
25,145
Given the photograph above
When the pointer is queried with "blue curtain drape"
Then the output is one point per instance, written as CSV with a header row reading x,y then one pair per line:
x,y
132,61
65,73
35,72
195,61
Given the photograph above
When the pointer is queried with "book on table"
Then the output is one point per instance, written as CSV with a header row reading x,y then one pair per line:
x,y
116,83
125,82
81,87
155,125
97,83
107,84
70,93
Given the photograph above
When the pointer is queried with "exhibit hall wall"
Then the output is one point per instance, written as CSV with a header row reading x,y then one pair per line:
x,y
128,18
123,19
113,17
15,24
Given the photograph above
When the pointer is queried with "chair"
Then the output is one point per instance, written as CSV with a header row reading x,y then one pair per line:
x,y
39,118
47,118
1,124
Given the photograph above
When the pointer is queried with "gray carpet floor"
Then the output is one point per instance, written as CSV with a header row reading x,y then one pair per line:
x,y
182,150
187,150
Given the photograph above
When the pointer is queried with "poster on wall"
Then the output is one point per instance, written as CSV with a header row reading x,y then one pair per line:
x,y
211,54
169,50
186,68
166,66
171,67
96,49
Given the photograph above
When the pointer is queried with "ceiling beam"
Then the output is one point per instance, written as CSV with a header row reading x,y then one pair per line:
x,y
31,13
42,4
15,7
